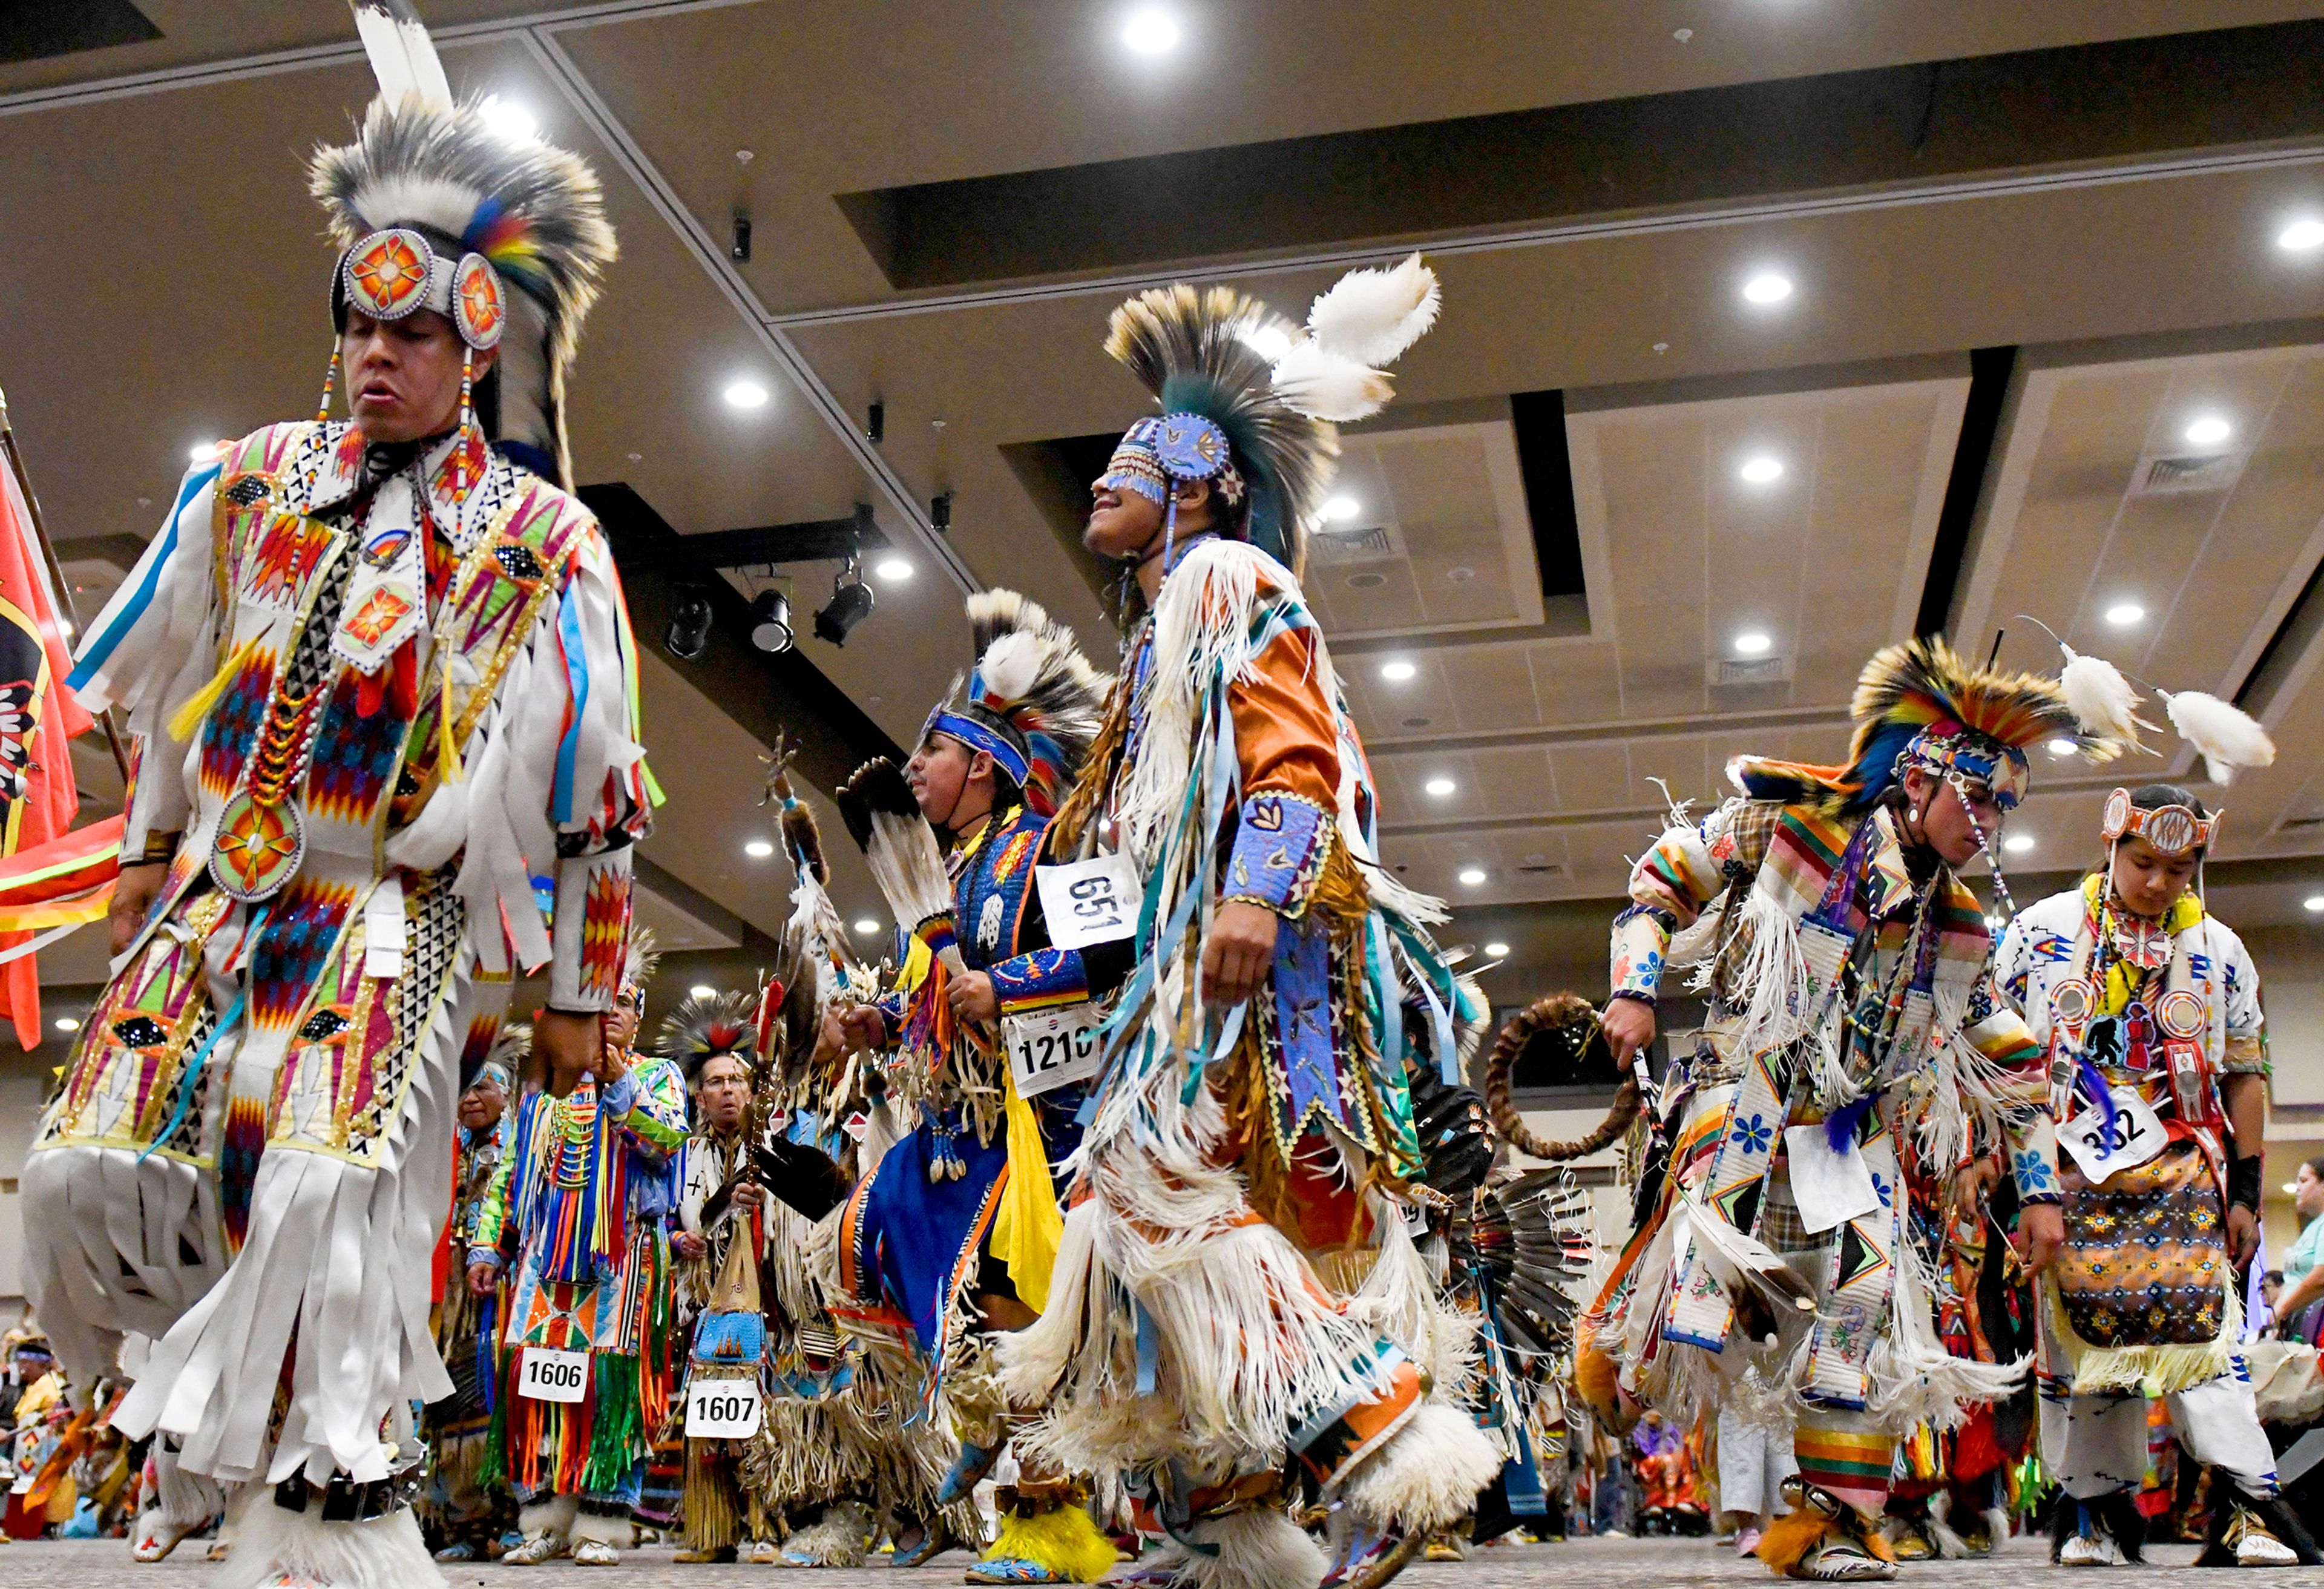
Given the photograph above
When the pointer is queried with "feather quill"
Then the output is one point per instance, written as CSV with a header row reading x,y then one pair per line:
x,y
1745,1259
2101,698
2227,737
403,58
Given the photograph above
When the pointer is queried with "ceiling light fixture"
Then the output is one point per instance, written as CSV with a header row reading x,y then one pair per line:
x,y
1753,642
1341,509
201,452
893,568
1440,786
2124,613
1768,287
2208,431
745,394
1497,951
508,119
771,622
1269,342
688,634
701,990
867,927
757,849
1151,30
1472,875
2304,235
1762,470
66,1024
851,603
2313,903
1396,672
2062,747
2017,844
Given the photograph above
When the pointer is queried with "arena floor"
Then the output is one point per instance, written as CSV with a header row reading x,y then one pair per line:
x,y
1581,1564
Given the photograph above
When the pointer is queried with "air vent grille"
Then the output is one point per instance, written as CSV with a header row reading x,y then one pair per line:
x,y
2185,477
1730,670
1377,544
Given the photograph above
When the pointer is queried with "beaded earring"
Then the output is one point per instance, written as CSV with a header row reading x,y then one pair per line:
x,y
331,384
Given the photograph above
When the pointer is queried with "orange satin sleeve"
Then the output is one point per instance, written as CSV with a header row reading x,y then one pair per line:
x,y
1286,733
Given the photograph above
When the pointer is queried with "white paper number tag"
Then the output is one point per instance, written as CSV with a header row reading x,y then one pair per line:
x,y
2138,1135
722,1409
1092,901
550,1375
1049,1049
1830,1187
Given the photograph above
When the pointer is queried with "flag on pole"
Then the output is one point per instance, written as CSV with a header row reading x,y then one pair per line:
x,y
39,718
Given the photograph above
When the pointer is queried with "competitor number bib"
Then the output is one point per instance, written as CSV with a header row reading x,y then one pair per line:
x,y
550,1375
722,1409
1091,901
1052,1048
2138,1135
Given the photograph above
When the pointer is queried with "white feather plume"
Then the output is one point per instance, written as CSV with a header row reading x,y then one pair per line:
x,y
403,57
1011,663
2227,736
2101,698
1323,385
1369,316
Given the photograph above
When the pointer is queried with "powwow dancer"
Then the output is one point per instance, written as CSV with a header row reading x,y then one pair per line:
x,y
378,678
1852,1028
2149,1010
578,1216
956,1226
1253,1103
467,1503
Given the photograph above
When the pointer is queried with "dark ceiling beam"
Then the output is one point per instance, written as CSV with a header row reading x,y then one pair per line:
x,y
1966,488
816,541
770,695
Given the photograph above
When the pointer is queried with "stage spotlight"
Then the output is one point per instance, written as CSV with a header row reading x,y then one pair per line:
x,y
771,622
850,605
688,635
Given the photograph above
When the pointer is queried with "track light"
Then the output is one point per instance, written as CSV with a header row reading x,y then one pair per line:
x,y
875,423
940,513
688,635
771,622
850,605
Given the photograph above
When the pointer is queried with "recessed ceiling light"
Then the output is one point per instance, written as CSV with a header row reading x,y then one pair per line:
x,y
1751,643
2314,902
2062,747
201,452
1270,342
1497,951
1768,287
867,927
2208,431
2017,844
703,989
2124,613
893,568
745,394
1397,672
1472,875
510,120
2301,237
1761,470
66,1024
757,849
1342,508
1440,786
1151,30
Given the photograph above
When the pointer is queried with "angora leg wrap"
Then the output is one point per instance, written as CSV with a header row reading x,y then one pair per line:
x,y
1257,1550
1427,1477
838,1539
556,1514
387,1553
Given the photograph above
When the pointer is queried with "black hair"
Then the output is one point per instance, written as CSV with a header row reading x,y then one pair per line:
x,y
2315,1167
2154,797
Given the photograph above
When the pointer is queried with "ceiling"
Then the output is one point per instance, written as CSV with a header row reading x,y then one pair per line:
x,y
2029,246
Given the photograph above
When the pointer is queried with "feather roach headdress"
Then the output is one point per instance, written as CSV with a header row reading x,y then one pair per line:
x,y
435,207
1033,700
1249,401
639,961
700,1030
1920,705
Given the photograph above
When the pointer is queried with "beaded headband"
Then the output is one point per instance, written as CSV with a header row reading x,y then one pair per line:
x,y
2173,830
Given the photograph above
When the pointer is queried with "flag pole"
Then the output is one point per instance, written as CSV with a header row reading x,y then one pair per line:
x,y
56,570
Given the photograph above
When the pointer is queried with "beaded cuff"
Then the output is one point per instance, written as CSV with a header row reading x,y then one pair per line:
x,y
1278,853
